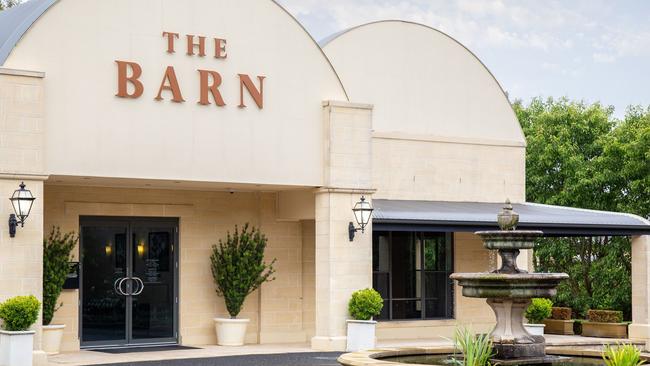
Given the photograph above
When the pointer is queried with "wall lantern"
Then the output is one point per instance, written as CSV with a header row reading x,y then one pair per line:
x,y
22,201
362,213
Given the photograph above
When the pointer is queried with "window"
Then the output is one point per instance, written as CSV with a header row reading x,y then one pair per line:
x,y
411,272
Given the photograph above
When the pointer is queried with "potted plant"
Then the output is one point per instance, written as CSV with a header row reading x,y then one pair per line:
x,y
238,269
537,311
560,321
363,306
16,340
604,323
56,265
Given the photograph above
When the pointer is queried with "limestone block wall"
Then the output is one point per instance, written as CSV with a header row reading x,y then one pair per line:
x,y
21,122
276,311
309,277
420,168
21,159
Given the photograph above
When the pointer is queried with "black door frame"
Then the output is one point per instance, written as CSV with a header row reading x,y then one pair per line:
x,y
129,222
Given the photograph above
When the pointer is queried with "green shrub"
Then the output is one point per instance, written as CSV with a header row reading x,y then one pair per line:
x,y
476,349
560,313
364,304
605,316
56,265
238,266
622,355
19,313
538,310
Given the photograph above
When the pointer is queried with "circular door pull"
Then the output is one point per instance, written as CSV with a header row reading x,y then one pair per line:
x,y
140,288
118,286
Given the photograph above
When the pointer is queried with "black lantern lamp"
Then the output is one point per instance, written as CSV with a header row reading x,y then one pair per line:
x,y
22,201
362,213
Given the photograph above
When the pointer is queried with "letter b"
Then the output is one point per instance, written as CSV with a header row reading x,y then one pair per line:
x,y
123,79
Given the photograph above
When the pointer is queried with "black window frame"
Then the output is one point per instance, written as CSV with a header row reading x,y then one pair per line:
x,y
449,288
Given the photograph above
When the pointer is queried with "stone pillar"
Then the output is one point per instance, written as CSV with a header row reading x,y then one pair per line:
x,y
640,327
341,266
21,159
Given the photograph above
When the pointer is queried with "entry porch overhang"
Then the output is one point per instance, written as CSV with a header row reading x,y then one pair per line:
x,y
441,216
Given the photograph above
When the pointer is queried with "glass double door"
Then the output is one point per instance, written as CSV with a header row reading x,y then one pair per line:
x,y
129,281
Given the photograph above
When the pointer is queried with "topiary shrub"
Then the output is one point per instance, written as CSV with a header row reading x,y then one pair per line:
x,y
238,266
19,313
538,310
559,313
56,265
364,304
605,316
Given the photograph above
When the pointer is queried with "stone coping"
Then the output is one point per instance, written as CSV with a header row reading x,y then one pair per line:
x,y
373,357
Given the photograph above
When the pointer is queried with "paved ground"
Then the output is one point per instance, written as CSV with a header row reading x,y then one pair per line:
x,y
266,354
286,359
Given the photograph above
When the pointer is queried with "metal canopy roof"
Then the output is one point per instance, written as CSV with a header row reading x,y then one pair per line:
x,y
473,216
14,22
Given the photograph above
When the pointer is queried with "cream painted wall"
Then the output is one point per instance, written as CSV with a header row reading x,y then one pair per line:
x,y
91,132
440,171
422,82
442,127
204,218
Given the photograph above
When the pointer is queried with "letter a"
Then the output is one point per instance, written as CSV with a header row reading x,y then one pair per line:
x,y
169,82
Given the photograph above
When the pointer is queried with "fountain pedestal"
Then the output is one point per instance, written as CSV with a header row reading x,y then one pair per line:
x,y
510,338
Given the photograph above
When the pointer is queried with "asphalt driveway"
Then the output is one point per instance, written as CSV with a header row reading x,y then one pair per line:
x,y
286,359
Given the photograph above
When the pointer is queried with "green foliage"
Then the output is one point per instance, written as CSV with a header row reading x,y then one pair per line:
x,y
605,316
538,310
364,304
56,265
19,313
622,355
476,349
238,266
561,313
6,4
579,155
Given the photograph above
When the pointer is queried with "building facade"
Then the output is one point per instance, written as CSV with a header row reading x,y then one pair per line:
x,y
152,128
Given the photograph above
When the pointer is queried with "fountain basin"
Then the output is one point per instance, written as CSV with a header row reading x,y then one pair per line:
x,y
509,285
509,239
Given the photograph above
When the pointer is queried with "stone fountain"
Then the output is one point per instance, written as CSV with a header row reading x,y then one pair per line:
x,y
509,290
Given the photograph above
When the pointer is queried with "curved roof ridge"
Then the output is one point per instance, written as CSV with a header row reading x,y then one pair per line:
x,y
325,41
15,22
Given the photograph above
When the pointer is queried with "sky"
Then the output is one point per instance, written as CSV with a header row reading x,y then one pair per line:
x,y
591,50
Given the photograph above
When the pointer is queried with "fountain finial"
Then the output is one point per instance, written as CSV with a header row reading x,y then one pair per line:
x,y
508,218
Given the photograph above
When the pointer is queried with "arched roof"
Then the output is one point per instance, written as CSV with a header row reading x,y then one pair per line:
x,y
14,22
422,82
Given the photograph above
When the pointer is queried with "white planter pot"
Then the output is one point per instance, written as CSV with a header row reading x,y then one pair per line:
x,y
16,348
361,335
52,335
230,332
535,329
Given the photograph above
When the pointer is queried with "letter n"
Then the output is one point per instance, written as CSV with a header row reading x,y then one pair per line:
x,y
257,94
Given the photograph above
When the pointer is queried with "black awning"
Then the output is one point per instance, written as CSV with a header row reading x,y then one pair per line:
x,y
441,216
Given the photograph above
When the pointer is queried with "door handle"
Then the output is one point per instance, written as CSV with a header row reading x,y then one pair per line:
x,y
140,286
117,286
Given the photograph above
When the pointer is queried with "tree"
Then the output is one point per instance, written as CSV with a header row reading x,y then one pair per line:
x,y
578,155
6,4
